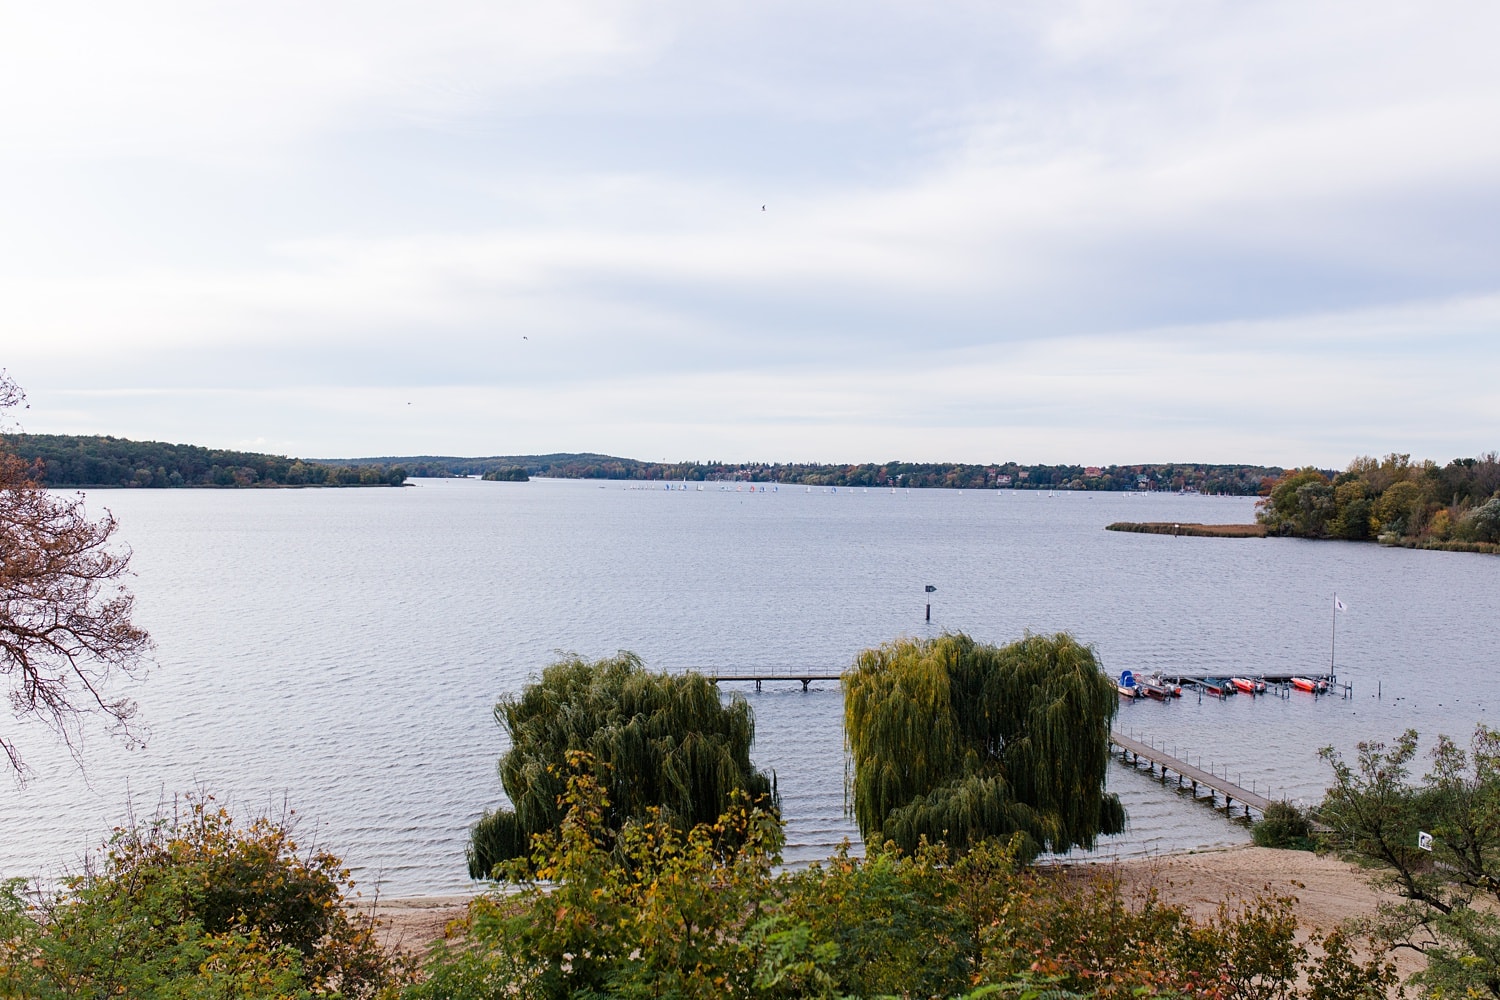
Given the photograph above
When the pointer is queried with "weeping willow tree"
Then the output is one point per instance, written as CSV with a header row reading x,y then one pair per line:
x,y
656,740
960,741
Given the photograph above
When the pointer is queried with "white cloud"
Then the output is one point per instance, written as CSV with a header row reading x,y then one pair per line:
x,y
179,79
1244,393
1074,200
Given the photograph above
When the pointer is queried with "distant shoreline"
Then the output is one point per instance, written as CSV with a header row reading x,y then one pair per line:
x,y
216,486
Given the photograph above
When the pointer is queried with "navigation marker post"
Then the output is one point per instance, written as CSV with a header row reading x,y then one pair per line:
x,y
930,589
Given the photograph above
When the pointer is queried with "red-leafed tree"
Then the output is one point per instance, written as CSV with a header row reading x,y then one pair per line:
x,y
66,637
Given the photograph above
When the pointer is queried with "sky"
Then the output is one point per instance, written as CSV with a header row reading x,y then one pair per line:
x,y
1091,232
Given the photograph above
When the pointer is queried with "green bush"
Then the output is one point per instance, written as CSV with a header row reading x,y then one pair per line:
x,y
1284,826
194,906
686,914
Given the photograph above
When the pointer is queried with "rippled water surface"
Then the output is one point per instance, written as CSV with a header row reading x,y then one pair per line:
x,y
341,650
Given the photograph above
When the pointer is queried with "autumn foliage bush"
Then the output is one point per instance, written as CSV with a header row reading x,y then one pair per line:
x,y
192,904
650,910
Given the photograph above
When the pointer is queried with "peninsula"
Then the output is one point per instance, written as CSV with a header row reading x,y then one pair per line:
x,y
101,461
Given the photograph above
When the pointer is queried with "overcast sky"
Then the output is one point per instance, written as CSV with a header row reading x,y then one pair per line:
x,y
1053,231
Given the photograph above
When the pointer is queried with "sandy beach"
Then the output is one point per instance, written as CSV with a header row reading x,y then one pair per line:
x,y
1328,891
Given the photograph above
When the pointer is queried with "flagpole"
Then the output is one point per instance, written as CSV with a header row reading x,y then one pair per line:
x,y
1333,640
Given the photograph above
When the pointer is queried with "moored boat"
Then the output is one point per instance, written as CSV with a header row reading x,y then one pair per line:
x,y
1156,690
1217,686
1313,685
1249,685
1172,690
1127,685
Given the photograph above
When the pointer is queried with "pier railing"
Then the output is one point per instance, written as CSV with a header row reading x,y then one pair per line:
x,y
760,674
1189,776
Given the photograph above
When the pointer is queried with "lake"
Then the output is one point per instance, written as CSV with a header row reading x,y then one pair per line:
x,y
339,652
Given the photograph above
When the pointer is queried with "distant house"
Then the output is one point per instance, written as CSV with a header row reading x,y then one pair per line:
x,y
1093,470
1003,479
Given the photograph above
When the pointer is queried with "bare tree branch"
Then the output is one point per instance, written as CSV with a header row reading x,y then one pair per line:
x,y
65,628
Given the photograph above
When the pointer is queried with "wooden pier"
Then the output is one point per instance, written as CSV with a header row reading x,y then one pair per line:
x,y
1135,753
759,674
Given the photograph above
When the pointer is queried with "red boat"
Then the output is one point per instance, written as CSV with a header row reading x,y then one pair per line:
x,y
1309,684
1249,686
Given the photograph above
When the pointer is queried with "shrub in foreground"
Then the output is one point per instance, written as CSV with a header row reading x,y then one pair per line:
x,y
650,910
1284,826
1449,889
194,905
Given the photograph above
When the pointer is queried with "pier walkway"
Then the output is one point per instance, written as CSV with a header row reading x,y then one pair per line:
x,y
759,674
1136,753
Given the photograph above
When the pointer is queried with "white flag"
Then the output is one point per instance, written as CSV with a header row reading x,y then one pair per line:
x,y
1338,605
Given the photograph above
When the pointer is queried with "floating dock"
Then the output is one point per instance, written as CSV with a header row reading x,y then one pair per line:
x,y
1279,683
1136,753
1197,678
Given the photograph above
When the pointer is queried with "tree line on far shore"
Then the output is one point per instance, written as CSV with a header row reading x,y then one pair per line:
x,y
1393,500
1225,480
82,460
101,460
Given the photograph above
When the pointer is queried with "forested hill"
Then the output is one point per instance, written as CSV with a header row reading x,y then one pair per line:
x,y
75,460
1238,480
1393,500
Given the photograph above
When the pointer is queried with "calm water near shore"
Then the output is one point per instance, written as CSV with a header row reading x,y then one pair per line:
x,y
340,650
